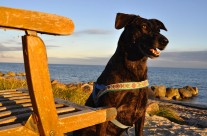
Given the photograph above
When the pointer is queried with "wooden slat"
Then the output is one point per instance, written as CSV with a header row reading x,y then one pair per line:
x,y
15,106
13,95
3,93
11,90
71,104
35,21
16,130
11,119
29,109
14,102
23,105
86,118
65,109
15,98
38,80
15,111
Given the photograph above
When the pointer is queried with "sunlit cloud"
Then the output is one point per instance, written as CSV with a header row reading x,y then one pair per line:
x,y
93,32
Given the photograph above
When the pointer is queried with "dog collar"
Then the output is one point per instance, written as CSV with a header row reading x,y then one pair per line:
x,y
100,90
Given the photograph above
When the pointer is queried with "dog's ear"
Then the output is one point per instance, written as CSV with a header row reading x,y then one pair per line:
x,y
160,24
123,19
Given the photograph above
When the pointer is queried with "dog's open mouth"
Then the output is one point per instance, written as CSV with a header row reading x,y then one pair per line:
x,y
151,52
155,52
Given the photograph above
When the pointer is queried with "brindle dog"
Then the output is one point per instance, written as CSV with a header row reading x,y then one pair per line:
x,y
140,39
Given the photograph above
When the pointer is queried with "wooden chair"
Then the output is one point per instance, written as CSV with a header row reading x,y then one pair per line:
x,y
37,113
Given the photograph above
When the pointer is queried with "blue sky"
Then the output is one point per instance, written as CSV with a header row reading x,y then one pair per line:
x,y
95,38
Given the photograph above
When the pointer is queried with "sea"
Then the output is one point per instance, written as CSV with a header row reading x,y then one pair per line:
x,y
170,77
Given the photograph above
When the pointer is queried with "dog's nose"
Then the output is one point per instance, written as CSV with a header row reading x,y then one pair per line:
x,y
164,41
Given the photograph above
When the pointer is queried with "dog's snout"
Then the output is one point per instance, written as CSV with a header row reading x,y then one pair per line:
x,y
164,41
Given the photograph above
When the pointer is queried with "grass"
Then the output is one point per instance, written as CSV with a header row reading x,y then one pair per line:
x,y
12,83
77,95
74,94
170,114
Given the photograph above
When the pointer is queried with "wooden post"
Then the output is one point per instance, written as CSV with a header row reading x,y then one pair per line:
x,y
38,79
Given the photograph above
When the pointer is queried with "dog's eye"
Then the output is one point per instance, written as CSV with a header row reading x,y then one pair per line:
x,y
144,27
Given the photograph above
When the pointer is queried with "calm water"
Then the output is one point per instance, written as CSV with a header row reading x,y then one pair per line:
x,y
171,77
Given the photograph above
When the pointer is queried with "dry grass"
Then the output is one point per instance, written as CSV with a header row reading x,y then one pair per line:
x,y
12,83
73,94
170,114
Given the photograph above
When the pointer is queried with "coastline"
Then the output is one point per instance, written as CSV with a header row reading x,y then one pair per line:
x,y
194,115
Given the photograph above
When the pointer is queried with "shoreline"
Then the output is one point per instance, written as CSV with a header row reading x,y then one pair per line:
x,y
194,115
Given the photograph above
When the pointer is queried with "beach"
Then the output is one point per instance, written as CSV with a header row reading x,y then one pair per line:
x,y
195,122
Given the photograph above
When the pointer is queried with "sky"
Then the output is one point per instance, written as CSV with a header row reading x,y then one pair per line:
x,y
95,39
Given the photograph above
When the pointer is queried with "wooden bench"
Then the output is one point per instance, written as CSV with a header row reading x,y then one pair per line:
x,y
37,112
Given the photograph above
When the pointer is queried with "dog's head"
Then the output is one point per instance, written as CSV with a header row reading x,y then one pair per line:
x,y
141,34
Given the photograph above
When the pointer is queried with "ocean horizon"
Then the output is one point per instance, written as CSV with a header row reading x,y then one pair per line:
x,y
170,77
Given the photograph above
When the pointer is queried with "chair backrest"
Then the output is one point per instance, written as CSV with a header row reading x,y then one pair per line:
x,y
35,59
35,21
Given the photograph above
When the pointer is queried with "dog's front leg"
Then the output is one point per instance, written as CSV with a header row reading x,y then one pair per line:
x,y
101,129
139,125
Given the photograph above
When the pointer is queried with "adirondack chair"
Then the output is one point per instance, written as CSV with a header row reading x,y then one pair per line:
x,y
37,112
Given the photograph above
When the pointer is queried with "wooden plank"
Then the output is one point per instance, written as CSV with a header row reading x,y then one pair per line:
x,y
10,90
38,79
65,109
11,119
5,93
16,130
82,119
71,104
29,109
35,21
13,95
14,98
14,102
15,111
15,106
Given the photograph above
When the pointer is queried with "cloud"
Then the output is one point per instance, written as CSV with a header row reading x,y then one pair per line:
x,y
84,61
193,59
51,46
190,59
5,48
185,56
93,32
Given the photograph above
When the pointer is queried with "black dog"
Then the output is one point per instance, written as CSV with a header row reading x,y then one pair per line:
x,y
140,39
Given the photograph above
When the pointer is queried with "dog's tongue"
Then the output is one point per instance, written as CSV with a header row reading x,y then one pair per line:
x,y
154,51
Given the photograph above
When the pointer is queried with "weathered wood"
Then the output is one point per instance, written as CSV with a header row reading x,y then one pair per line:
x,y
11,119
13,95
15,111
38,80
14,102
15,106
10,90
35,21
16,130
14,98
45,117
65,109
3,93
86,118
